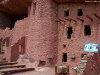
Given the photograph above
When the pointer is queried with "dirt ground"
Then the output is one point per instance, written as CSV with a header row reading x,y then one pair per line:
x,y
37,71
42,71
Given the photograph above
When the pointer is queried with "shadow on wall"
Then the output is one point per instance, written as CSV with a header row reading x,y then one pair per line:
x,y
17,49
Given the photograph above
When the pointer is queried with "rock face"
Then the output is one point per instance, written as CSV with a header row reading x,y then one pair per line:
x,y
64,1
20,7
4,21
15,7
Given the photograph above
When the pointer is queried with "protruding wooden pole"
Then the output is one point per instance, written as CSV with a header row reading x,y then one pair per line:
x,y
80,19
89,17
97,16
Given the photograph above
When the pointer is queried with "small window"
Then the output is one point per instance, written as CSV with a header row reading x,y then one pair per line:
x,y
66,13
64,46
87,30
69,32
64,57
80,12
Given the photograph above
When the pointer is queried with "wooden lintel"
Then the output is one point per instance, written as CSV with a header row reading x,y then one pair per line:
x,y
89,17
97,16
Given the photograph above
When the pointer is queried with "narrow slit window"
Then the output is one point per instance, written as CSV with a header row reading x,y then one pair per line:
x,y
87,30
66,13
80,12
64,57
69,32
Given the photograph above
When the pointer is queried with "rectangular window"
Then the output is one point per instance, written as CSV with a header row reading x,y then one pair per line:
x,y
69,32
64,57
80,12
66,13
87,30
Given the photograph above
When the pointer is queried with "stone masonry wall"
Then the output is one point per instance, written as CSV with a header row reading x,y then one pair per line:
x,y
12,53
41,31
93,67
19,31
42,36
75,45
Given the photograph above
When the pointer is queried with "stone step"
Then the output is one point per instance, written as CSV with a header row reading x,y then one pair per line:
x,y
84,58
2,57
81,69
3,61
8,63
83,61
16,70
82,64
12,66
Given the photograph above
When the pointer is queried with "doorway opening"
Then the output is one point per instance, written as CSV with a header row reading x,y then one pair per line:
x,y
64,57
69,32
80,12
87,30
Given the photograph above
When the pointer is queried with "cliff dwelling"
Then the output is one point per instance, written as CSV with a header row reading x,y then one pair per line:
x,y
49,37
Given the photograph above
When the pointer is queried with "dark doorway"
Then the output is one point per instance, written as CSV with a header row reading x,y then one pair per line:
x,y
87,30
80,12
69,32
64,57
66,13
